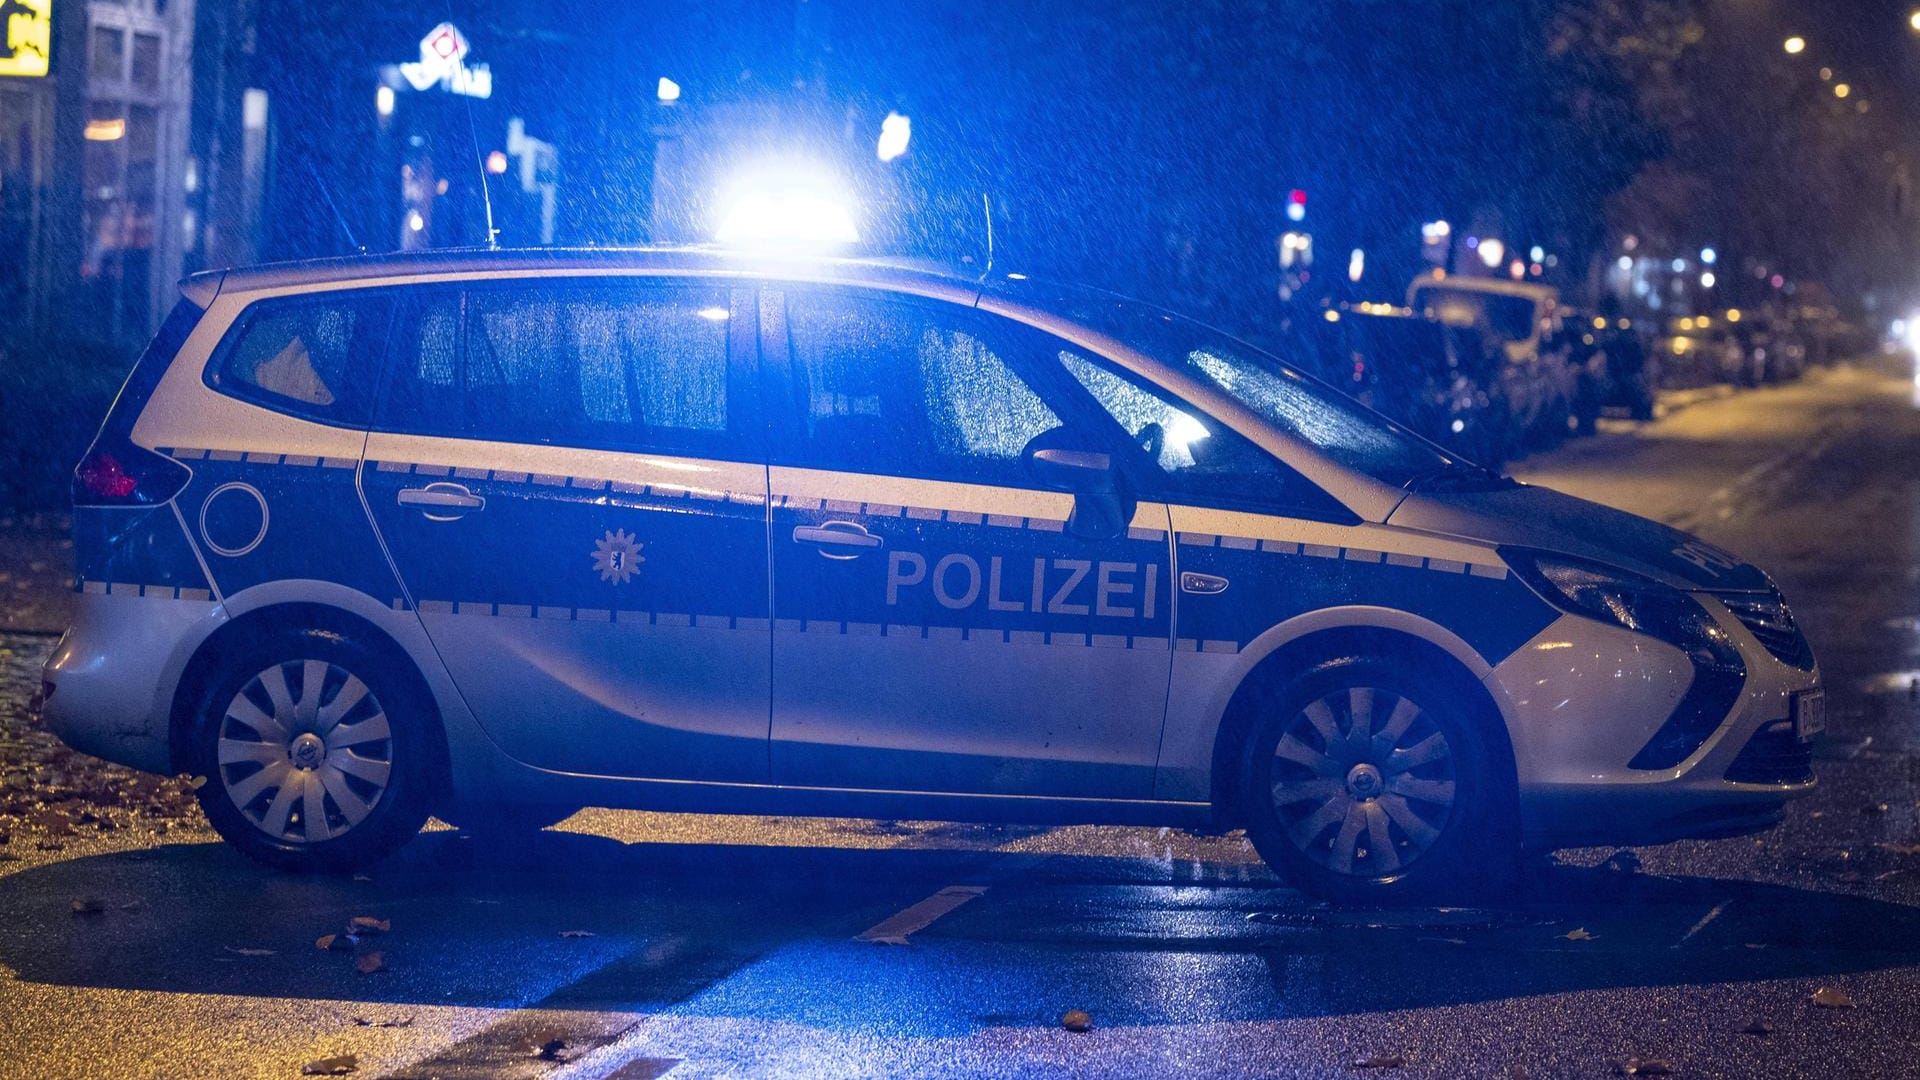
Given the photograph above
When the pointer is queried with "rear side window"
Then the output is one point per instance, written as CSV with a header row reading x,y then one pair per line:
x,y
616,366
310,356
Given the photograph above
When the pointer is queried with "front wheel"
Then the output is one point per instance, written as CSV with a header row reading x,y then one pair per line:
x,y
1365,781
317,756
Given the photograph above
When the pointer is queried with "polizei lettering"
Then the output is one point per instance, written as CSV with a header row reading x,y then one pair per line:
x,y
1123,590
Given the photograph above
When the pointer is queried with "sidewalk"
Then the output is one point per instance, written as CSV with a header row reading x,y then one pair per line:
x,y
36,573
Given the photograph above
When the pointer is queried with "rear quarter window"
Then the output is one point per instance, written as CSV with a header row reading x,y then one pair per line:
x,y
312,357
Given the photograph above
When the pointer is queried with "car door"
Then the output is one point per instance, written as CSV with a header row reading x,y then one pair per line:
x,y
568,476
938,625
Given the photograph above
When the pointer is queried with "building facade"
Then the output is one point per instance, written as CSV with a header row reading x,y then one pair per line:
x,y
94,166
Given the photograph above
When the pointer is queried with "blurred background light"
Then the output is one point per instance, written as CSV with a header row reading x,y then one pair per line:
x,y
895,131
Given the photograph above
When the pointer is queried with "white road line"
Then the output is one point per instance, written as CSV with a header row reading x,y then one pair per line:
x,y
1704,920
894,929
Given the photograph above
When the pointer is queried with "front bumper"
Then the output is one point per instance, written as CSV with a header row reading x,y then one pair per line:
x,y
1583,698
110,681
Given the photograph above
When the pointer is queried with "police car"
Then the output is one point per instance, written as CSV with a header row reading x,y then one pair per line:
x,y
498,535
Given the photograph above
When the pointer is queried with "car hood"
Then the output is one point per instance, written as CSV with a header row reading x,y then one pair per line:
x,y
1545,519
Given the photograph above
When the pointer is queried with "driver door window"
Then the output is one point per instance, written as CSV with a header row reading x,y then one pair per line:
x,y
903,389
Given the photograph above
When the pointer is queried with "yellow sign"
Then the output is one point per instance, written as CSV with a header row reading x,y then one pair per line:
x,y
26,35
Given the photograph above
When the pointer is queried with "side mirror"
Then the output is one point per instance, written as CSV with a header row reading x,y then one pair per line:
x,y
1083,472
1100,510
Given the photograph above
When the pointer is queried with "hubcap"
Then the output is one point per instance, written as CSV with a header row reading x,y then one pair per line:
x,y
1363,782
304,751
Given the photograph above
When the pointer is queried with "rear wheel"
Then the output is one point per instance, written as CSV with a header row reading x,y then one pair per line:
x,y
317,757
1368,781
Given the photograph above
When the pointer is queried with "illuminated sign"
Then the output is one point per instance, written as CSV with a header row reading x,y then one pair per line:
x,y
443,62
26,29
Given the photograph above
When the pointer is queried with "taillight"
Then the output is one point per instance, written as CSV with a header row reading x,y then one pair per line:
x,y
115,472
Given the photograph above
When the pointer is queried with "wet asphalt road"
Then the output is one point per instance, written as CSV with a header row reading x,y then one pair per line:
x,y
634,945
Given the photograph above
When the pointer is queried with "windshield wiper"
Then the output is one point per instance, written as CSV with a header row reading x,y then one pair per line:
x,y
1460,476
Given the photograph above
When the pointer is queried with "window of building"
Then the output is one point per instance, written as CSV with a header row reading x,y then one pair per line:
x,y
146,61
109,55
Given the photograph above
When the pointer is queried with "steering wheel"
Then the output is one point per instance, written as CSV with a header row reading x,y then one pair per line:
x,y
1152,438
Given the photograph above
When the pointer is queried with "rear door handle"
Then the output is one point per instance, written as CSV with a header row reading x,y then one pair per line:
x,y
442,501
838,539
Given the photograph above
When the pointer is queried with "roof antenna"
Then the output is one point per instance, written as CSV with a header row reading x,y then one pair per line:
x,y
479,163
338,218
986,205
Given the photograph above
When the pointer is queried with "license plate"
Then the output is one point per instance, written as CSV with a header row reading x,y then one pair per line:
x,y
1809,713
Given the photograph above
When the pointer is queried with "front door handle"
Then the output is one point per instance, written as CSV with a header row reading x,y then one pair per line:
x,y
838,539
1202,584
442,501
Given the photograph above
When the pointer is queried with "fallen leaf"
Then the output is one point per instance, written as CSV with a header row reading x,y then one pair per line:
x,y
326,941
1758,1027
395,1022
576,933
1832,997
368,963
367,924
89,905
551,1050
1875,808
333,1066
1078,1020
241,950
1624,861
1578,933
1634,1066
1901,849
1381,1061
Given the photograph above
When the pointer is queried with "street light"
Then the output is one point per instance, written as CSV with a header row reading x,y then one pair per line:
x,y
1913,20
1796,44
1841,90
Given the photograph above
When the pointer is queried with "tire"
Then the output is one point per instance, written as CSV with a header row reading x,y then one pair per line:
x,y
505,821
357,752
1315,804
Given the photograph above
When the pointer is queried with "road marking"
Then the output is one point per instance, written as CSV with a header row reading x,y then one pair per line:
x,y
894,929
1704,920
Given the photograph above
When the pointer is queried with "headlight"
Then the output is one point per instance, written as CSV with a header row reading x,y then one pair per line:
x,y
1645,606
1623,599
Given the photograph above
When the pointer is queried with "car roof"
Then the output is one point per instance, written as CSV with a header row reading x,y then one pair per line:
x,y
439,263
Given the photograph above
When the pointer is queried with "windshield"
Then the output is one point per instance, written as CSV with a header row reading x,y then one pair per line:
x,y
1345,431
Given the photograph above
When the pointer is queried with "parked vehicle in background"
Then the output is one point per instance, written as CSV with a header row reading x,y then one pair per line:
x,y
1773,352
1436,379
1699,351
1519,323
1613,368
